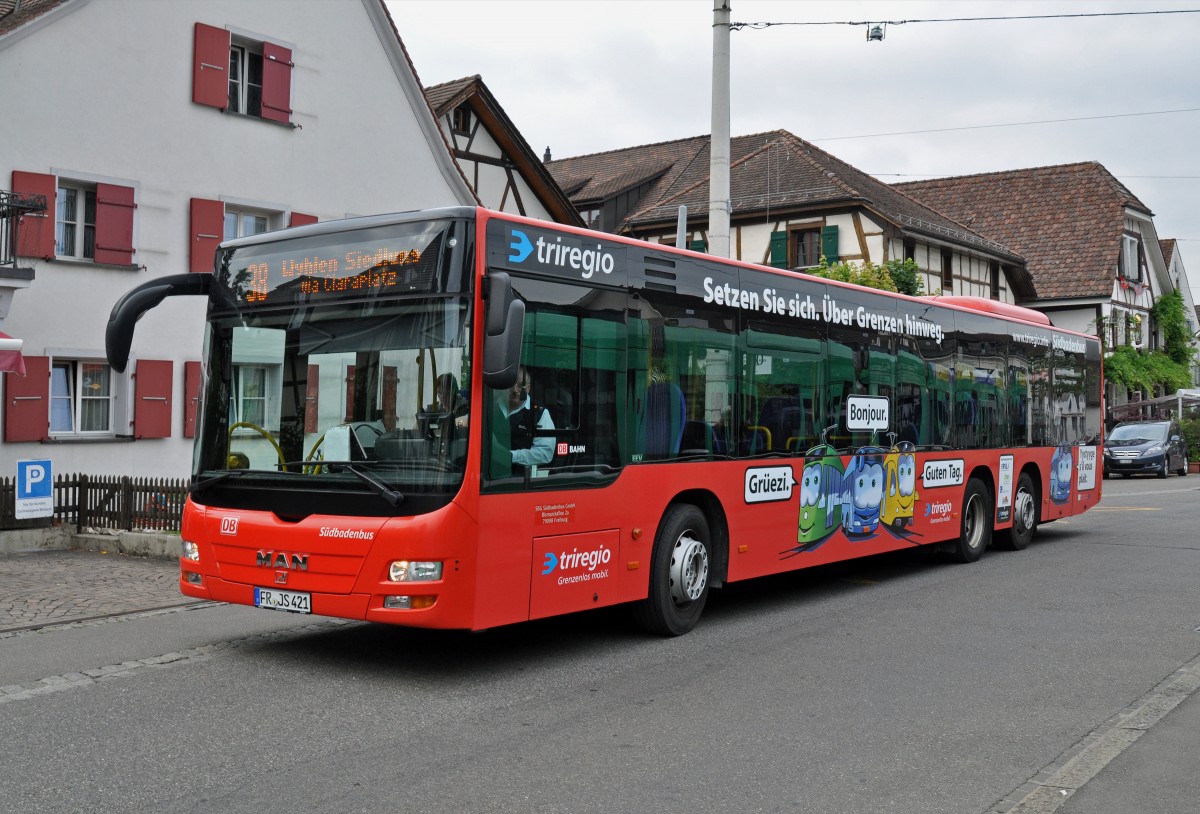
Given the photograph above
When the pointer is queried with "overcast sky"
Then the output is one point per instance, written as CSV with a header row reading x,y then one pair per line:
x,y
584,76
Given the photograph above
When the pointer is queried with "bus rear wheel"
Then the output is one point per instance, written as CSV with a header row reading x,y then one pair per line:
x,y
975,533
679,571
1025,517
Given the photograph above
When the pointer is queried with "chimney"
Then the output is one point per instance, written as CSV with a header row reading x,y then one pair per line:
x,y
546,157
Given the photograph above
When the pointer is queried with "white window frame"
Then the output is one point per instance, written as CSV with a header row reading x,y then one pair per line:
x,y
80,248
243,51
77,396
245,222
243,400
1129,256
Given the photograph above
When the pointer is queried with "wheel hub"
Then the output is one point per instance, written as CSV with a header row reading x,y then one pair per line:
x,y
689,569
1023,511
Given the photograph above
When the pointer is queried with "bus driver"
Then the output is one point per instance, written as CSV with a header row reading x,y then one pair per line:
x,y
524,418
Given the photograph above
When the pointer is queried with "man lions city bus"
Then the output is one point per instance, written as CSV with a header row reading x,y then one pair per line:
x,y
462,419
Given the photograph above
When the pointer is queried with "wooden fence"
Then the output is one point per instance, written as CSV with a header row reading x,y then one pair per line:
x,y
104,502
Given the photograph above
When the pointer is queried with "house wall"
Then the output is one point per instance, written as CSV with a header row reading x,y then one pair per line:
x,y
497,187
99,91
860,239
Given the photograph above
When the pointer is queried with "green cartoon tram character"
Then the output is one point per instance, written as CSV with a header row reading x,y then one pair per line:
x,y
821,499
900,486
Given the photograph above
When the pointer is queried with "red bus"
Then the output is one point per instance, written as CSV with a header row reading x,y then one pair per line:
x,y
462,419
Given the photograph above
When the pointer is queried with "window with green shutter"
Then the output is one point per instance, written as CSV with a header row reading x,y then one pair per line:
x,y
829,243
779,249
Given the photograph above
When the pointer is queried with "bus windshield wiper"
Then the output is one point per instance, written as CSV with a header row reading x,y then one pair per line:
x,y
201,486
354,468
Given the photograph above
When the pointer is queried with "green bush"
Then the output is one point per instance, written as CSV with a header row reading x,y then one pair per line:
x,y
1191,434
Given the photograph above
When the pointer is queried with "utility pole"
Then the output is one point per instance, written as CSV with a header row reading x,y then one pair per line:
x,y
718,170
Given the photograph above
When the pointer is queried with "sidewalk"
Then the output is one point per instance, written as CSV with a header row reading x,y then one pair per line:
x,y
52,587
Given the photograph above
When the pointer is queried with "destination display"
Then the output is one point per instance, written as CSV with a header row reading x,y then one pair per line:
x,y
391,264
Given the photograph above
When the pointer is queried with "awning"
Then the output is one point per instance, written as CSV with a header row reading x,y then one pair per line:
x,y
11,360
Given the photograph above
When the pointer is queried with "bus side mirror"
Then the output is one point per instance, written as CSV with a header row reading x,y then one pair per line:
x,y
504,321
118,336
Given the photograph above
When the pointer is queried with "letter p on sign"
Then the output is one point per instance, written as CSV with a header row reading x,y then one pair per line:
x,y
33,479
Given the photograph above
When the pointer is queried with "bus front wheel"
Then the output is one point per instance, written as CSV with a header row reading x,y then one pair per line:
x,y
679,571
975,533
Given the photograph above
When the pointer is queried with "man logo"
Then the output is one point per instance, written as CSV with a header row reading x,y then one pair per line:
x,y
281,560
229,526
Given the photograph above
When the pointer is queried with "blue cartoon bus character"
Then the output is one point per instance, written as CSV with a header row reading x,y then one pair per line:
x,y
864,485
820,497
900,482
1060,475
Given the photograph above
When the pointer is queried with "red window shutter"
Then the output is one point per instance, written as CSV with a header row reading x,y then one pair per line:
x,y
27,401
35,233
152,398
311,391
208,225
390,377
114,224
191,397
277,83
301,219
349,394
210,67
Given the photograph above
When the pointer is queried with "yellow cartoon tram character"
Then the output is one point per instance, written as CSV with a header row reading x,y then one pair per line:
x,y
900,486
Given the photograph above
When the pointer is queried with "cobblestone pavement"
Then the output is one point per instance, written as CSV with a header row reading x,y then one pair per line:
x,y
52,587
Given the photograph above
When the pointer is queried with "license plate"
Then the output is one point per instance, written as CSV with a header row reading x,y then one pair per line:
x,y
273,599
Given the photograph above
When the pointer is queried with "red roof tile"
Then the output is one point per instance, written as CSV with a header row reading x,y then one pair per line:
x,y
1066,220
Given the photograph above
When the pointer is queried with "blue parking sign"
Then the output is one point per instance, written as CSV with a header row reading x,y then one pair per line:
x,y
35,489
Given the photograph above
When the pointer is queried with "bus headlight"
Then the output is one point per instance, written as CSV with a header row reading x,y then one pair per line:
x,y
191,551
414,571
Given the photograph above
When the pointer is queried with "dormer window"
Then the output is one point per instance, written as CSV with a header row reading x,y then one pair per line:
x,y
460,119
1131,266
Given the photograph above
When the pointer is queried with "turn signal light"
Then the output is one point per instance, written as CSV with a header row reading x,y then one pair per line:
x,y
409,602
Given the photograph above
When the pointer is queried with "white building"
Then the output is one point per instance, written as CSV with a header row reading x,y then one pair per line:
x,y
153,130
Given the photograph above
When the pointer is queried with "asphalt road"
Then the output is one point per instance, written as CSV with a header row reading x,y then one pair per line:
x,y
900,684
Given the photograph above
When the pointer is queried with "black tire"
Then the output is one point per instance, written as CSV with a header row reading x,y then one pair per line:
x,y
1162,473
975,531
1025,516
679,573
1182,470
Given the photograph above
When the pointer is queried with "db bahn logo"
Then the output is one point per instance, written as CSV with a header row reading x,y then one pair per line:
x,y
229,526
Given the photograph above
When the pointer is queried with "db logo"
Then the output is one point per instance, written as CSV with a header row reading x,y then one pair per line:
x,y
229,525
563,449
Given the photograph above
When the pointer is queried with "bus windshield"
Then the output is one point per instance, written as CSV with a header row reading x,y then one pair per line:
x,y
338,364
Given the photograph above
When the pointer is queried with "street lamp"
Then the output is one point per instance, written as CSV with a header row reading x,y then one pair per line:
x,y
875,33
